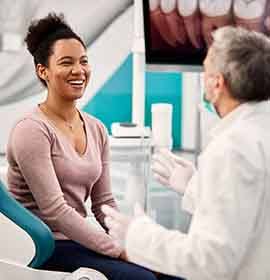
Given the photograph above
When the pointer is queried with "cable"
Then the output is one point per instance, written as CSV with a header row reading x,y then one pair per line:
x,y
146,157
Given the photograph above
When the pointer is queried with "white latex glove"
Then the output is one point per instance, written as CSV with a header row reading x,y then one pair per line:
x,y
118,223
172,171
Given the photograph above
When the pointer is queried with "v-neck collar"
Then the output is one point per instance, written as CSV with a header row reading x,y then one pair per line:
x,y
62,134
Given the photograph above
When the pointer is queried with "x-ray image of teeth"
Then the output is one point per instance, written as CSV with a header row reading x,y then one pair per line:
x,y
266,20
174,20
160,25
189,10
250,14
187,25
215,14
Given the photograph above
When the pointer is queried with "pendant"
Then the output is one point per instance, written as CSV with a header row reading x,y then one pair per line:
x,y
70,126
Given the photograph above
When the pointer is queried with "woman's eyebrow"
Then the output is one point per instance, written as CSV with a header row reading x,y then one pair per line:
x,y
64,57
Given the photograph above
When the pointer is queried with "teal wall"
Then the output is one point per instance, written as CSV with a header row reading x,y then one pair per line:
x,y
112,103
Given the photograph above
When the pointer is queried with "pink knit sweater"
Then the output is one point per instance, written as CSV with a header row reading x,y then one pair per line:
x,y
53,181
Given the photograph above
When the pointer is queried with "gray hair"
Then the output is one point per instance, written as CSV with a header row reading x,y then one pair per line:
x,y
243,58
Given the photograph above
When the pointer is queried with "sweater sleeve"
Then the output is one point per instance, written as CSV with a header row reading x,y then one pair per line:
x,y
101,191
31,144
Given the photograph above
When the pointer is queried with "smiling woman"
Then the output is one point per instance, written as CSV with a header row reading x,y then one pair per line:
x,y
59,157
69,72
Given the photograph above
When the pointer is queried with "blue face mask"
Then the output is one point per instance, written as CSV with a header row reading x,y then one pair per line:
x,y
209,106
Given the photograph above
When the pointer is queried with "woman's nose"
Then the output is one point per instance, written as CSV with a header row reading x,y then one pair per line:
x,y
77,68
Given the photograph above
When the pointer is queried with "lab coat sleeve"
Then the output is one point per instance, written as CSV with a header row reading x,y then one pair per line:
x,y
190,194
222,227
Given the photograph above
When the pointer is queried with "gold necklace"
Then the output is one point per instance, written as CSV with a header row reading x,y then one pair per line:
x,y
247,2
47,110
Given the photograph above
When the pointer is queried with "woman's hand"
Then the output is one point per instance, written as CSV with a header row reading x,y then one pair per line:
x,y
123,256
118,224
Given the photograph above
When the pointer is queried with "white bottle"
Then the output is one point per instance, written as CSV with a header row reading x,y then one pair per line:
x,y
162,125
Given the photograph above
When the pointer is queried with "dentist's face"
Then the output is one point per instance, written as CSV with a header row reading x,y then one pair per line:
x,y
214,84
210,79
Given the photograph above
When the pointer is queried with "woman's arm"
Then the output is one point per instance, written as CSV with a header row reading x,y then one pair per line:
x,y
101,191
31,144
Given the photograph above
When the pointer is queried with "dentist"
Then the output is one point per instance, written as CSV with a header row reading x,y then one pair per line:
x,y
229,194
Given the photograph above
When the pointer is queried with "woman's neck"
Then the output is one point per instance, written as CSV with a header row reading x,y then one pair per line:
x,y
64,110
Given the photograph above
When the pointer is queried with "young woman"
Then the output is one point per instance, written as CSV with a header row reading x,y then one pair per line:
x,y
59,156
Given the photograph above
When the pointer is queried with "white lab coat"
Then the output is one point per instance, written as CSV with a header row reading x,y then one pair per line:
x,y
229,196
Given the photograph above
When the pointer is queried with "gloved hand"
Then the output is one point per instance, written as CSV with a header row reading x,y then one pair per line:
x,y
118,223
172,171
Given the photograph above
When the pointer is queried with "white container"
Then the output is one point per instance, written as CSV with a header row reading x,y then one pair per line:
x,y
162,125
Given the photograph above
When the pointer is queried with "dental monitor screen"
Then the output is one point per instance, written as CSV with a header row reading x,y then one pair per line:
x,y
178,32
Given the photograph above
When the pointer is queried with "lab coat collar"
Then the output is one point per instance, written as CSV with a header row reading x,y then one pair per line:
x,y
237,114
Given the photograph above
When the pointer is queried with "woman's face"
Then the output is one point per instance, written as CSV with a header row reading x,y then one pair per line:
x,y
68,71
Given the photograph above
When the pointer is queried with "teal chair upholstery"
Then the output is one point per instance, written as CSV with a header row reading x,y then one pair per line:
x,y
39,231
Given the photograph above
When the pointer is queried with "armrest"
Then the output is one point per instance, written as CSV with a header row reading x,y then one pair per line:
x,y
18,272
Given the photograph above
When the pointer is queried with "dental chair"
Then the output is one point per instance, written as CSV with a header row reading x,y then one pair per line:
x,y
26,243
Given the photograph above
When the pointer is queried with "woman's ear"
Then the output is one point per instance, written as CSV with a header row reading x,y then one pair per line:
x,y
42,72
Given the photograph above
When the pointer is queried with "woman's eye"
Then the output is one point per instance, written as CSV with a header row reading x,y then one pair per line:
x,y
84,62
66,63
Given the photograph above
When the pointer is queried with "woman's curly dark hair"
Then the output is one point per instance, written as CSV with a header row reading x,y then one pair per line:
x,y
42,35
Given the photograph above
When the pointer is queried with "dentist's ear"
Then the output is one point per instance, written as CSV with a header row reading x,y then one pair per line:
x,y
217,81
218,86
220,80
